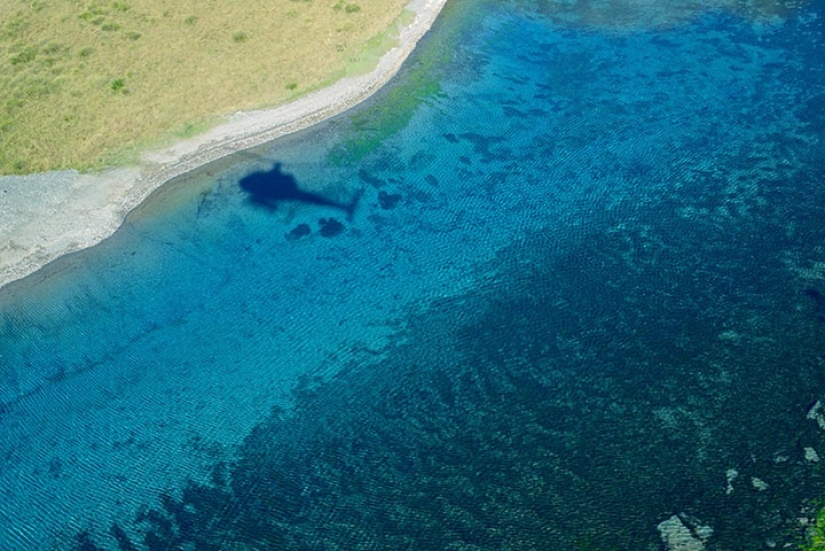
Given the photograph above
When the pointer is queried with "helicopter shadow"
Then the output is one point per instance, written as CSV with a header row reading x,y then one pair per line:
x,y
270,188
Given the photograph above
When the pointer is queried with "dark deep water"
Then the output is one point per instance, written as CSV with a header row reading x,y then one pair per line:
x,y
561,281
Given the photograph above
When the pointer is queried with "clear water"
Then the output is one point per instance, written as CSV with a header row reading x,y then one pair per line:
x,y
583,284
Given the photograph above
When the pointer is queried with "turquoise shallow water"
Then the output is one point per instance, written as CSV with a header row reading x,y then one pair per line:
x,y
581,291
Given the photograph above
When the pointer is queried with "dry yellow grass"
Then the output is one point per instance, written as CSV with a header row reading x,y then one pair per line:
x,y
84,82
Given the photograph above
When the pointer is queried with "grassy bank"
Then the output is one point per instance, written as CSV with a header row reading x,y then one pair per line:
x,y
83,83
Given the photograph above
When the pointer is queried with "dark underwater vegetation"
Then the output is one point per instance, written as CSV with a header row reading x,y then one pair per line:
x,y
559,284
544,411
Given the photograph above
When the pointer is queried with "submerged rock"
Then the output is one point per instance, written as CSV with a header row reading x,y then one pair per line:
x,y
678,535
759,484
730,476
817,414
388,200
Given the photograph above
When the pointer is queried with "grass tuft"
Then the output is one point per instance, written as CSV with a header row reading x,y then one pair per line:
x,y
28,54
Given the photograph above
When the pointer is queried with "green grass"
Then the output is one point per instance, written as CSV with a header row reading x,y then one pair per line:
x,y
86,84
365,60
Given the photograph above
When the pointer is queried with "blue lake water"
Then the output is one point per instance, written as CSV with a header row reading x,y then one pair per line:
x,y
581,290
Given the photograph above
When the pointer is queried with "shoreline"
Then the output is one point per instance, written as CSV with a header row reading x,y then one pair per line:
x,y
48,215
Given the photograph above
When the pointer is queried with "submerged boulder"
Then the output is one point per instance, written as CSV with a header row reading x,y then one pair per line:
x,y
681,535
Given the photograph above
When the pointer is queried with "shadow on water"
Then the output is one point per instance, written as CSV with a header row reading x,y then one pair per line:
x,y
268,189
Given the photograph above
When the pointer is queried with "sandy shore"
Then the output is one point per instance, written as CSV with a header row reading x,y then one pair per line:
x,y
44,216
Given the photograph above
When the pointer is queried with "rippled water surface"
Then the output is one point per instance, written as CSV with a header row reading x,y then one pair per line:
x,y
561,282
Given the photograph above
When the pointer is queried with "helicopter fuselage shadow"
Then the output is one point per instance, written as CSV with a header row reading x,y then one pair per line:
x,y
269,189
